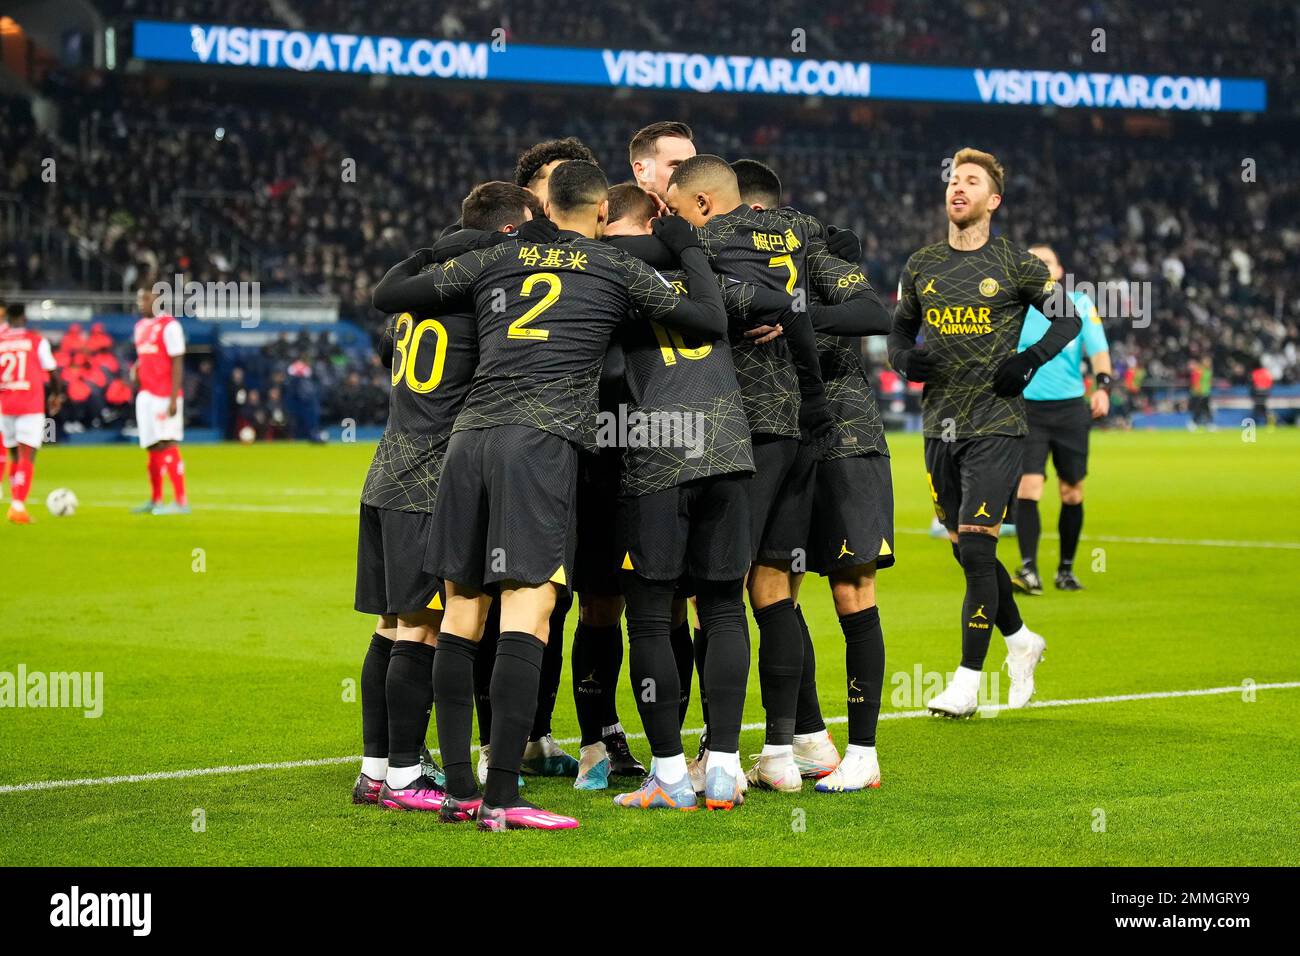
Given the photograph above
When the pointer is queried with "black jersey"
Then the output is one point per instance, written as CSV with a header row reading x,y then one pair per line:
x,y
971,305
685,416
434,358
767,251
831,281
545,313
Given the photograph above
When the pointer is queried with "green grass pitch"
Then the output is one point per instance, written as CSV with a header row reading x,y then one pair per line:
x,y
246,660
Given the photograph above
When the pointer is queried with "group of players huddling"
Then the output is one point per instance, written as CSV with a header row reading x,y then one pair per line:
x,y
653,395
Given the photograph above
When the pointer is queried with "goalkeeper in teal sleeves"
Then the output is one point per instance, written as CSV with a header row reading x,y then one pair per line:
x,y
1060,418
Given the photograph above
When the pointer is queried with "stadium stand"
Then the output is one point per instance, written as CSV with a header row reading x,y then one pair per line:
x,y
228,181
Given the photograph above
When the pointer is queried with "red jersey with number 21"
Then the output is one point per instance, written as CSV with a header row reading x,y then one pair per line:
x,y
25,358
157,340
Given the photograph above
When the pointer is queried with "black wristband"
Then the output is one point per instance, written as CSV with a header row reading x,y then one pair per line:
x,y
1102,381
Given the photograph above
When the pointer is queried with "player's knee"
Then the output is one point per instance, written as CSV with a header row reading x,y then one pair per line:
x,y
419,628
719,601
466,612
977,552
527,608
1072,494
854,589
649,606
768,584
600,610
1031,487
679,612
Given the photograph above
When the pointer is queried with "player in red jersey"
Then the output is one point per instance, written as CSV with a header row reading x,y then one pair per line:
x,y
26,364
159,405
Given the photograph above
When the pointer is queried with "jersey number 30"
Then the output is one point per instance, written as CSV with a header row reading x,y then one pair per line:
x,y
410,335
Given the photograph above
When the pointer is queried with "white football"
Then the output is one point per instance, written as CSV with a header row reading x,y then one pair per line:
x,y
61,502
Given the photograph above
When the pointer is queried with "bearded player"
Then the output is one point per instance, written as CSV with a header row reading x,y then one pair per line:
x,y
971,293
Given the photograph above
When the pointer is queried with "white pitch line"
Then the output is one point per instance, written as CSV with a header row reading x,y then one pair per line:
x,y
1106,538
330,761
1180,542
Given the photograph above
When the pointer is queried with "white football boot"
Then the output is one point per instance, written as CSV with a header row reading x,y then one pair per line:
x,y
776,771
815,755
858,770
960,698
1024,651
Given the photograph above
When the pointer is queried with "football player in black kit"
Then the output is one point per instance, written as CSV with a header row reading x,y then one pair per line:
x,y
970,293
852,514
432,356
504,518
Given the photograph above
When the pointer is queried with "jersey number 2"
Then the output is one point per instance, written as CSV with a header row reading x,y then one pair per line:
x,y
519,328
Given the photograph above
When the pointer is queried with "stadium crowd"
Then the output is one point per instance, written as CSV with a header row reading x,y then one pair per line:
x,y
1177,210
287,387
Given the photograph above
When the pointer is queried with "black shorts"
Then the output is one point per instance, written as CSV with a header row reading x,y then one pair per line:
x,y
506,508
698,531
973,480
390,563
1061,427
781,497
853,514
595,570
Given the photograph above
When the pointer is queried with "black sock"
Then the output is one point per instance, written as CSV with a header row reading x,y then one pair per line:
x,y
593,684
725,670
548,687
409,689
453,704
515,678
374,697
979,561
608,668
864,657
1008,620
684,655
780,668
651,662
701,656
1070,524
483,663
1029,527
808,711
